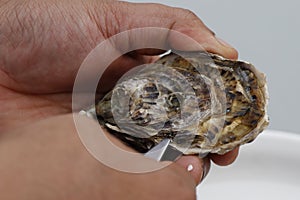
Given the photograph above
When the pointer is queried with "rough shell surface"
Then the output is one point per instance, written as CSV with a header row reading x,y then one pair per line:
x,y
203,102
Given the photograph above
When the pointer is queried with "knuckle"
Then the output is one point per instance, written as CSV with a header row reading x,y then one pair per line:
x,y
187,19
188,14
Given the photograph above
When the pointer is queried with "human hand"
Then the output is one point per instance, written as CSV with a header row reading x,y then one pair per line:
x,y
46,160
42,45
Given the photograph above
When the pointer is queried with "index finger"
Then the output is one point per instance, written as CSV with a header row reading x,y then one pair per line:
x,y
179,20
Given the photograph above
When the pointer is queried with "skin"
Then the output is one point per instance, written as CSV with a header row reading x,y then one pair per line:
x,y
42,45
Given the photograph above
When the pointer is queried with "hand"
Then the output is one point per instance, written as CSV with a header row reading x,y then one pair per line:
x,y
46,160
42,45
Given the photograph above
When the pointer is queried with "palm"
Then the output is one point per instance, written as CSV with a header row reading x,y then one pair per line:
x,y
39,71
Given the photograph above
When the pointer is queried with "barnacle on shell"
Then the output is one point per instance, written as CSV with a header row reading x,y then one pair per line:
x,y
203,102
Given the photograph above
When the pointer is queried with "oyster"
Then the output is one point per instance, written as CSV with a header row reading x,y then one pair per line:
x,y
203,102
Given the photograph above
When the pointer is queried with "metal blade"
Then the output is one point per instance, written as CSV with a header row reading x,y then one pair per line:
x,y
163,152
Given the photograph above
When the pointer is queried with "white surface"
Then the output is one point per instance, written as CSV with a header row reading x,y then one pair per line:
x,y
269,168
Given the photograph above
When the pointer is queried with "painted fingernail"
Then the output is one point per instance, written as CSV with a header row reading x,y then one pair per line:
x,y
221,41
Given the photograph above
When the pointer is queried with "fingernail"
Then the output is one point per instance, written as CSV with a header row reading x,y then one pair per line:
x,y
221,41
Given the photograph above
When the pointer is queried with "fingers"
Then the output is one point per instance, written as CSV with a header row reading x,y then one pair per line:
x,y
180,20
225,159
197,167
173,28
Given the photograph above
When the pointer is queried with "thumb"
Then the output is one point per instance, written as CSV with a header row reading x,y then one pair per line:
x,y
181,21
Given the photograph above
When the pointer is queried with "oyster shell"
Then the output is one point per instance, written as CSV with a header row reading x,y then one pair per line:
x,y
203,102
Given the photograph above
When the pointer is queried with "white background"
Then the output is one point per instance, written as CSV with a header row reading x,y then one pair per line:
x,y
268,169
266,33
